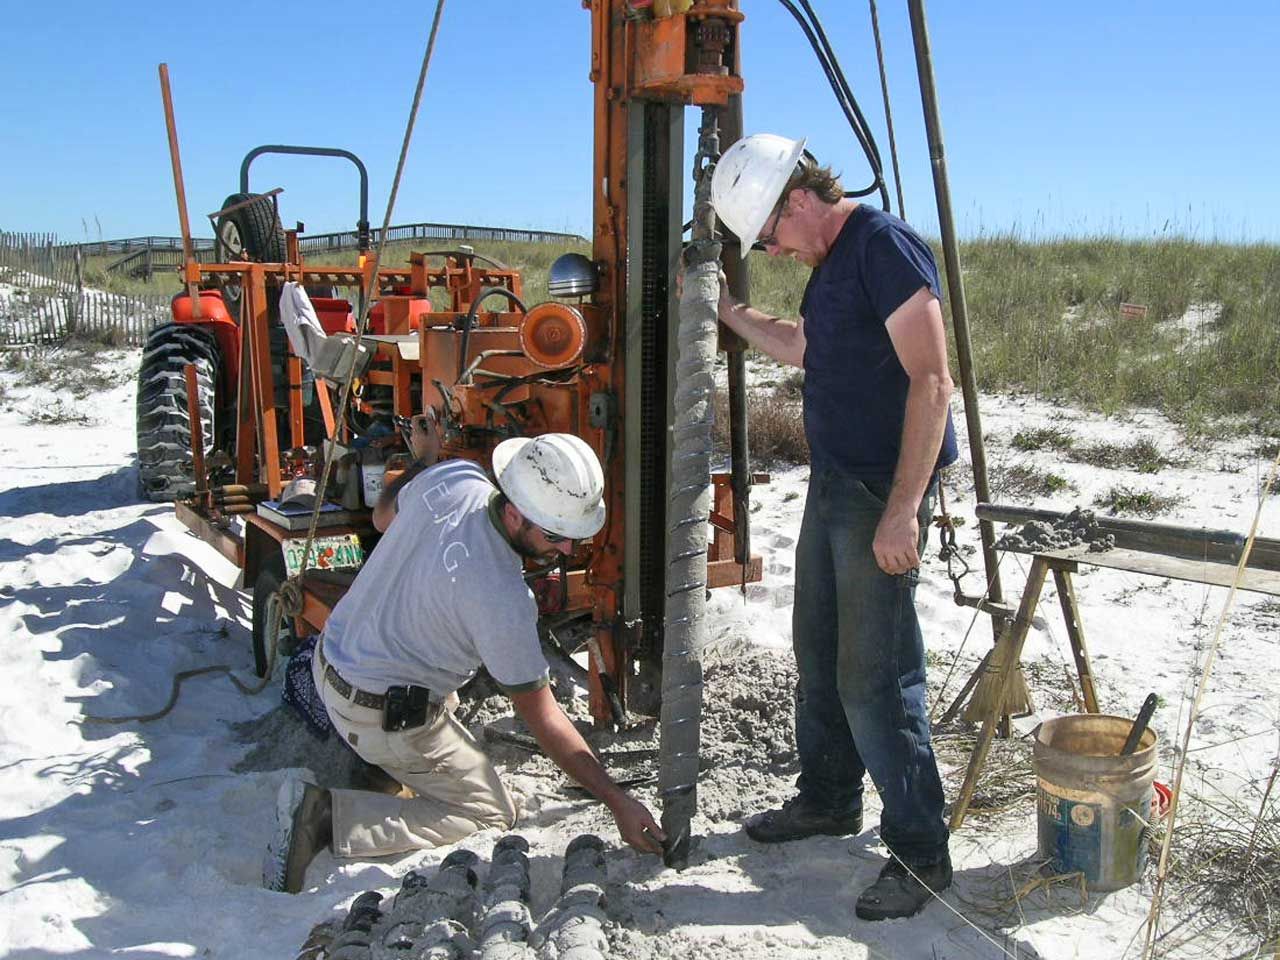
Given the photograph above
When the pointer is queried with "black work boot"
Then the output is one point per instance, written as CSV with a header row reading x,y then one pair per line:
x,y
304,827
797,820
896,893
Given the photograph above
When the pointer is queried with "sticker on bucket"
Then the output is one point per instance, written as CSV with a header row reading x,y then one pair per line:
x,y
1070,835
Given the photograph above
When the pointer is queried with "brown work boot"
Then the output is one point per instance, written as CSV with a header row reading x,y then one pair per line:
x,y
902,891
797,820
304,827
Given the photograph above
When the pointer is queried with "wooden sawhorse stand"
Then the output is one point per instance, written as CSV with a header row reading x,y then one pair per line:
x,y
1199,556
1007,655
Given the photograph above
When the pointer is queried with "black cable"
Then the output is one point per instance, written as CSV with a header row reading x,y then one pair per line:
x,y
469,320
821,47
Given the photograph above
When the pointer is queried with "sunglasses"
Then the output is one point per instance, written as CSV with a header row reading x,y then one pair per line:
x,y
553,537
770,236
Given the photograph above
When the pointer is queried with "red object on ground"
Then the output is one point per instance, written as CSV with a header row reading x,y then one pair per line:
x,y
1161,800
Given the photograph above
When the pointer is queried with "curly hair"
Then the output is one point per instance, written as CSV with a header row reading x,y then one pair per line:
x,y
821,180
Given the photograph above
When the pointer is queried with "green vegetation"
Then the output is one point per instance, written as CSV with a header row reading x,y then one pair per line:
x,y
1131,500
1141,455
1022,481
1040,438
1045,318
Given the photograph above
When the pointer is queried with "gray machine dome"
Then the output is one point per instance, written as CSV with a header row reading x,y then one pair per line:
x,y
573,275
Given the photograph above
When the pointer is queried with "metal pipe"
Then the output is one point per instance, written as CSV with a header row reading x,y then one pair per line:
x,y
738,279
955,289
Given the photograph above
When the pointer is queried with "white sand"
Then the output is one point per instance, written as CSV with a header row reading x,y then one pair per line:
x,y
139,840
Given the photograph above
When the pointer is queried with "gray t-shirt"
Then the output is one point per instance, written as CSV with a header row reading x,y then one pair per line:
x,y
443,593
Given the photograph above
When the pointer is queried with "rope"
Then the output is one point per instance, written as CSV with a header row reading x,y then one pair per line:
x,y
888,112
1162,872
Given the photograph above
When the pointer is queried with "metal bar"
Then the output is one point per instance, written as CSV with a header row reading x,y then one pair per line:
x,y
246,427
326,408
176,160
224,541
1010,655
362,226
738,280
255,300
955,288
297,429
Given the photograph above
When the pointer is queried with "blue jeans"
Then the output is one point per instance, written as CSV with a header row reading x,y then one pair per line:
x,y
860,695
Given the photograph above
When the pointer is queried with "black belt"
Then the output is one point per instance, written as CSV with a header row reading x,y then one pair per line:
x,y
361,698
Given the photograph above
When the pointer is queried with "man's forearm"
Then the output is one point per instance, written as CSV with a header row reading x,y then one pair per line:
x,y
384,509
562,742
925,423
781,339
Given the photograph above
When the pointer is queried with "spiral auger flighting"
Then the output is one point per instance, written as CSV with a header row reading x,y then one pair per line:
x,y
441,916
507,924
574,928
690,504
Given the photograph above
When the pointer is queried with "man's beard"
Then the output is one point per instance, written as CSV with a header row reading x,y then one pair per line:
x,y
523,542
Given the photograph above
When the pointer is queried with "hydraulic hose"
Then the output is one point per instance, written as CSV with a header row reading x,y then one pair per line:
x,y
470,319
817,38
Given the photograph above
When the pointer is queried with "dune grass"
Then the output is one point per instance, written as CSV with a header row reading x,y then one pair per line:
x,y
1045,318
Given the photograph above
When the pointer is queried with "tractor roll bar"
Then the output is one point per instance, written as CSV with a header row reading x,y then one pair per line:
x,y
362,225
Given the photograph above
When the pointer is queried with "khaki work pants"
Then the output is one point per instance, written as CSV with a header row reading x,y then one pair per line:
x,y
458,790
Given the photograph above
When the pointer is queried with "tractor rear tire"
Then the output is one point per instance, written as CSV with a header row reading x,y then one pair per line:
x,y
164,423
265,613
253,232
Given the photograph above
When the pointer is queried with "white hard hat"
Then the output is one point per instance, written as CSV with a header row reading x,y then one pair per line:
x,y
555,480
748,180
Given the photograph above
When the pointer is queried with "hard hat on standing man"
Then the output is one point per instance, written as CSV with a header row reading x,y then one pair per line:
x,y
749,179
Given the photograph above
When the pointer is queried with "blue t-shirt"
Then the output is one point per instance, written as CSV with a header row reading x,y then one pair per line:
x,y
855,389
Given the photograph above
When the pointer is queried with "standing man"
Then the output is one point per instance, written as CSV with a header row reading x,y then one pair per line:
x,y
870,338
442,594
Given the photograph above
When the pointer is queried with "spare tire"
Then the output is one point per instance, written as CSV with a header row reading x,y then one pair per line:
x,y
252,232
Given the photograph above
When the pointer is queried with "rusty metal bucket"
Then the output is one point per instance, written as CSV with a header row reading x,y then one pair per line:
x,y
1093,806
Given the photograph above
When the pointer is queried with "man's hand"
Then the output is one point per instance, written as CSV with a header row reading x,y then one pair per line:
x,y
895,545
636,825
424,438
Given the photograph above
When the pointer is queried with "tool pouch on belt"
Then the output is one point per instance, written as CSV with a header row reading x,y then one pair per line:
x,y
407,707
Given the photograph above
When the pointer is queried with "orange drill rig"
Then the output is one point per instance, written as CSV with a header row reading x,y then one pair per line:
x,y
598,361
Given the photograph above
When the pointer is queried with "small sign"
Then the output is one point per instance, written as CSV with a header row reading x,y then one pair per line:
x,y
1133,311
327,553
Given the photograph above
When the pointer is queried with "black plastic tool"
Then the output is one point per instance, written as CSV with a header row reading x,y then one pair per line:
x,y
1139,725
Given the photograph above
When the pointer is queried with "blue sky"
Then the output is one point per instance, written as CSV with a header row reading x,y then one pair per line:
x,y
1081,118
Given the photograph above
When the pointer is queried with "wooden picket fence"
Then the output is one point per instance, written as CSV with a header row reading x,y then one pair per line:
x,y
43,298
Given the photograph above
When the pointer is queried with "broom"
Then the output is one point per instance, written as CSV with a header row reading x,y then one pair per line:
x,y
984,701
